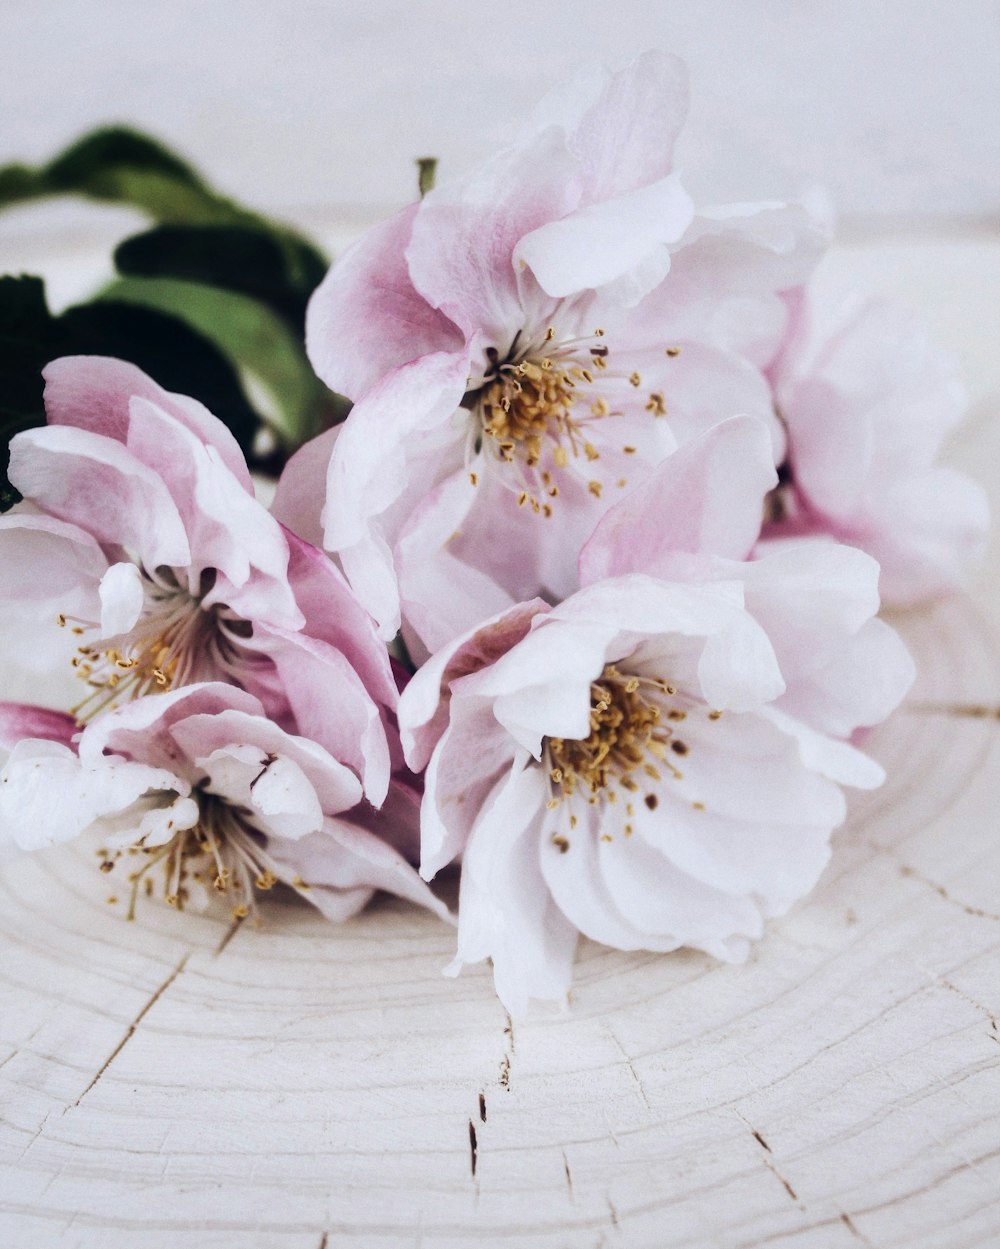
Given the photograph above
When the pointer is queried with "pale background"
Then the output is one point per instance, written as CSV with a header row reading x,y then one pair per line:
x,y
176,1085
299,105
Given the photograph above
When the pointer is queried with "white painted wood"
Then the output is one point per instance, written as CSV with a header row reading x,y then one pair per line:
x,y
165,1084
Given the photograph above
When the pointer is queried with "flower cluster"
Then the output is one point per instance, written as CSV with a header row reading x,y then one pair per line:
x,y
621,512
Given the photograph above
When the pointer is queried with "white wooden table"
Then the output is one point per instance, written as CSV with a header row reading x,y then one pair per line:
x,y
173,1083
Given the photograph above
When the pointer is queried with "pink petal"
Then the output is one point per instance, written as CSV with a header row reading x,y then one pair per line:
x,y
461,253
20,720
621,127
297,501
96,484
344,864
198,735
609,241
228,529
44,558
705,498
334,615
330,705
368,472
423,705
93,393
365,319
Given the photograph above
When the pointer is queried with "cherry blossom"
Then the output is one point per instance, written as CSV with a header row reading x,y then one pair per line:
x,y
657,761
140,534
867,406
193,793
526,344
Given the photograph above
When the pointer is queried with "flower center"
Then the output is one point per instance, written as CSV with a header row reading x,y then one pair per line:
x,y
627,728
533,410
173,642
222,854
633,743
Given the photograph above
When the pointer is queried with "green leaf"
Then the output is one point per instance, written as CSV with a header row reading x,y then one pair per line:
x,y
166,348
249,334
277,270
26,329
122,166
117,145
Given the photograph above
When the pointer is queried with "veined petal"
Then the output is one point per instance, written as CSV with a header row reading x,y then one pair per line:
x,y
96,484
367,471
334,615
141,729
227,528
330,705
21,720
620,127
705,498
365,319
505,910
461,254
606,241
94,393
423,705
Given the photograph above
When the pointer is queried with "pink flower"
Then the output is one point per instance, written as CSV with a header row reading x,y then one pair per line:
x,y
527,344
867,408
140,532
657,761
197,788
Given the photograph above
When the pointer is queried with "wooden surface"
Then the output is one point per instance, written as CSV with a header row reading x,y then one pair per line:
x,y
170,1083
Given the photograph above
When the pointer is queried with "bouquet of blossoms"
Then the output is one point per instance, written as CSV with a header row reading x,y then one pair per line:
x,y
581,596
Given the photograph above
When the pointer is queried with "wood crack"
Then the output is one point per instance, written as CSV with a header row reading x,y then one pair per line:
x,y
767,1159
130,1031
630,1068
228,936
975,911
508,1057
568,1173
965,711
848,1222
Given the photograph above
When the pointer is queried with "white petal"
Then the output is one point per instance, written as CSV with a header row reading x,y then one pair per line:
x,y
607,241
122,598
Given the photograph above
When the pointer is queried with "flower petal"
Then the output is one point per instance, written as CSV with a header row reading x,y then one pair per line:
x,y
93,393
365,319
705,498
122,599
95,483
505,912
21,720
609,241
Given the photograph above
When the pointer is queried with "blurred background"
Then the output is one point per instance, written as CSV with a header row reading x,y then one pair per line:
x,y
307,106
